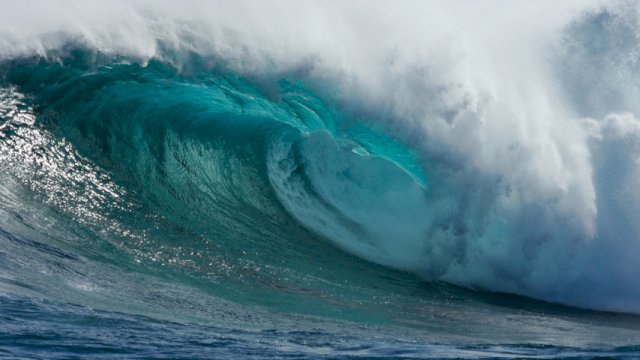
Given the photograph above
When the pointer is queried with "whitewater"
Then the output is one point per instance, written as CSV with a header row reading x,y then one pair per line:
x,y
268,179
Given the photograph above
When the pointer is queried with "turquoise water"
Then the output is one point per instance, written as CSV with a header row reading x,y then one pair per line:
x,y
149,211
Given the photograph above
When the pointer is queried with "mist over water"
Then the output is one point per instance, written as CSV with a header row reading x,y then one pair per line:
x,y
326,159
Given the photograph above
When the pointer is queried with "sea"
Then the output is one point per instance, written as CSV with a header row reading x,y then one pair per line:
x,y
319,179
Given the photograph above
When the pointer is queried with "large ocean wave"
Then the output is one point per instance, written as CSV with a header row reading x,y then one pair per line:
x,y
269,154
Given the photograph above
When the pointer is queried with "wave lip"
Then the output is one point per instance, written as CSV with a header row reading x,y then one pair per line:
x,y
366,205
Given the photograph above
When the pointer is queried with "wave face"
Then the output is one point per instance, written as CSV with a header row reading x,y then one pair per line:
x,y
193,168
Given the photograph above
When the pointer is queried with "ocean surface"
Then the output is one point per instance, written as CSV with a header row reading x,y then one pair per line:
x,y
362,179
